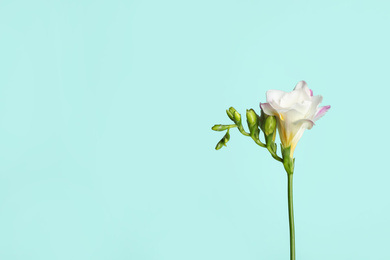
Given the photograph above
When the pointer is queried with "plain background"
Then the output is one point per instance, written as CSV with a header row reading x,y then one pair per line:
x,y
106,150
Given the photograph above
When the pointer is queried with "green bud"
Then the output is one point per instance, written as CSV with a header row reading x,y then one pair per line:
x,y
226,137
230,115
237,117
219,145
270,125
223,141
220,127
234,116
232,110
252,120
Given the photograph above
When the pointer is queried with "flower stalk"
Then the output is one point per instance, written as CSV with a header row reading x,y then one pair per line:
x,y
291,214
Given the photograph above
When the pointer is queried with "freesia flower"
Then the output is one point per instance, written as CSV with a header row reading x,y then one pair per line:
x,y
295,111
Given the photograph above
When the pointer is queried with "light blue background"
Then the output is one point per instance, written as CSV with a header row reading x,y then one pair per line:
x,y
106,150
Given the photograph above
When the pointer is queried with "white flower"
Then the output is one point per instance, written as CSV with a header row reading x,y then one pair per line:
x,y
295,111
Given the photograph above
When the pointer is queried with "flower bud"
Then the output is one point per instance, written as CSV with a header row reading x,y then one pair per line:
x,y
226,137
223,141
234,116
230,114
219,145
220,127
237,117
252,119
270,125
232,110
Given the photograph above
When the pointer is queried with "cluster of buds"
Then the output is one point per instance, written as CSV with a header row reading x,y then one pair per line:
x,y
256,123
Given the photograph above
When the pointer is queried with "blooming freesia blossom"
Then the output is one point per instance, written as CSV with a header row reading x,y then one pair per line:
x,y
295,111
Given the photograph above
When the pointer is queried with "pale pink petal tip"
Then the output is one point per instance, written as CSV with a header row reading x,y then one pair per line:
x,y
311,92
300,84
321,112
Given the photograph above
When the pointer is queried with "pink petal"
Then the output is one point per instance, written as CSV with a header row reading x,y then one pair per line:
x,y
321,112
311,92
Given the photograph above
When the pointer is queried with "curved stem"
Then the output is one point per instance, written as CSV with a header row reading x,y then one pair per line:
x,y
291,215
274,155
258,142
241,129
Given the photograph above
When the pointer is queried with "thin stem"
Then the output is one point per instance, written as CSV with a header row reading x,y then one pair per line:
x,y
291,215
258,142
241,129
274,155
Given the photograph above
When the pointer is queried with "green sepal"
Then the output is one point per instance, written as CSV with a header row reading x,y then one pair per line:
x,y
288,162
262,119
274,148
269,140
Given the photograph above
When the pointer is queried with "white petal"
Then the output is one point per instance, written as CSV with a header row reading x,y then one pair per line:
x,y
274,97
303,107
303,85
291,116
304,123
295,131
315,102
297,96
268,109
300,84
300,126
296,139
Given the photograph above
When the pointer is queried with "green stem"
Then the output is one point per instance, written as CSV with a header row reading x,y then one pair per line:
x,y
274,155
291,216
258,142
241,129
